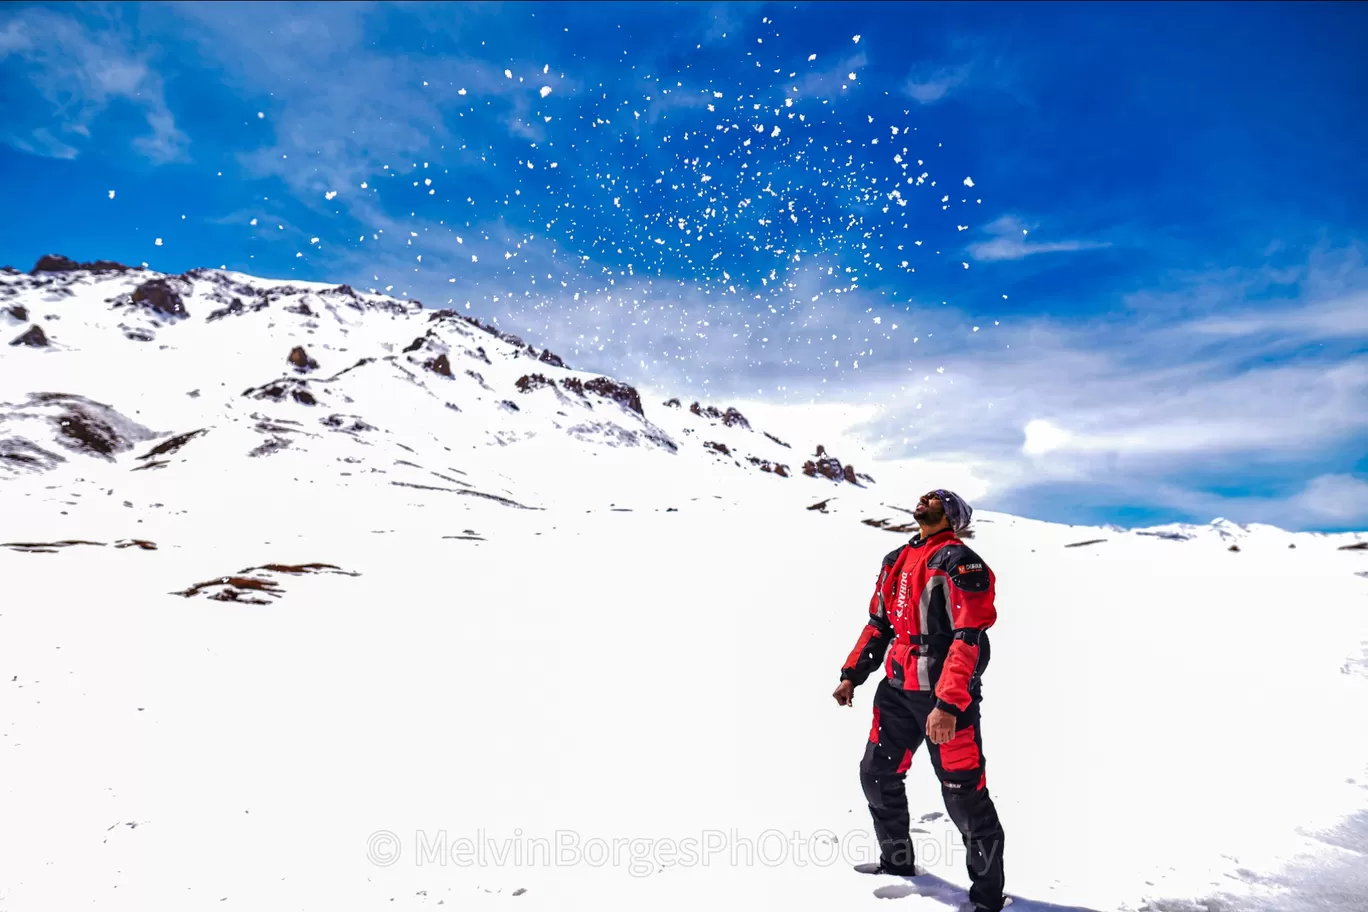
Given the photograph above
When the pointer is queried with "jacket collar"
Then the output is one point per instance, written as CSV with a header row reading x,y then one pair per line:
x,y
917,541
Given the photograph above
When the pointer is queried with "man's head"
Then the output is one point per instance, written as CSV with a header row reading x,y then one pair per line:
x,y
940,509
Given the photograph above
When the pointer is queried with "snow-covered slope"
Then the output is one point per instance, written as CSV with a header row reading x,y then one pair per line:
x,y
295,578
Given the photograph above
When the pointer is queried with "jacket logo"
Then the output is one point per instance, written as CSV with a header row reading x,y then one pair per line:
x,y
968,568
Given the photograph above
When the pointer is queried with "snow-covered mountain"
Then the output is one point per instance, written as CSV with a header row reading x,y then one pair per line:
x,y
296,576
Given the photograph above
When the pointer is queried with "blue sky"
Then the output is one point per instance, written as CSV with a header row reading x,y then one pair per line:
x,y
1088,262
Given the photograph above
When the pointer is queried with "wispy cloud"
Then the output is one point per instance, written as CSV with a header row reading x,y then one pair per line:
x,y
1010,242
1151,408
78,73
930,86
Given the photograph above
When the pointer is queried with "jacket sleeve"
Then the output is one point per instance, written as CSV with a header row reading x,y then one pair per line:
x,y
869,650
972,612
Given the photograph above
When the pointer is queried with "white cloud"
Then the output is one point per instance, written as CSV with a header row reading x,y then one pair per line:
x,y
1010,243
1336,499
933,86
79,73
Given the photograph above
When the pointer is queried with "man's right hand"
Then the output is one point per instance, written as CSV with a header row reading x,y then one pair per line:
x,y
845,694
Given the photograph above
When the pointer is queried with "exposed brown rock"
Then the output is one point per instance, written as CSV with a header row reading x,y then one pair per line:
x,y
48,547
574,385
672,403
167,447
277,390
34,337
158,296
235,308
890,526
549,357
19,312
620,393
717,447
731,417
54,262
777,440
529,382
439,365
301,360
820,506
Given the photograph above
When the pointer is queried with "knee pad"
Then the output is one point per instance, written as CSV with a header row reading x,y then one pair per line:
x,y
873,787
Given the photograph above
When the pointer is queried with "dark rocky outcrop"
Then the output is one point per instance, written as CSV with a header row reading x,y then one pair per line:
x,y
33,338
81,425
672,403
278,390
245,586
549,357
439,365
54,262
717,447
889,526
301,361
529,382
731,417
158,296
234,308
830,467
574,385
19,312
167,447
777,440
620,393
778,468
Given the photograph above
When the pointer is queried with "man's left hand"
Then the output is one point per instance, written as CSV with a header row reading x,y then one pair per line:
x,y
940,726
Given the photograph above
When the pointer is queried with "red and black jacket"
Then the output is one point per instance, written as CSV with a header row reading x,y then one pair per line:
x,y
933,604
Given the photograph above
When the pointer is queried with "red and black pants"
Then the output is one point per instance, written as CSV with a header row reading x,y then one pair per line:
x,y
899,730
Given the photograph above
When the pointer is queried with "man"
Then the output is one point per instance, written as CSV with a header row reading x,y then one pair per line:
x,y
933,604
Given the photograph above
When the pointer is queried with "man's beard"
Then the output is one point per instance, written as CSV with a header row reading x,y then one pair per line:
x,y
928,515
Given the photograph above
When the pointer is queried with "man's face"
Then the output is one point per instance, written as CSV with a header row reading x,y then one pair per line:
x,y
929,510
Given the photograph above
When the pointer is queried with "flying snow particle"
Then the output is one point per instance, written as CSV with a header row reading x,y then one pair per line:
x,y
297,255
261,115
158,242
111,194
811,57
330,195
313,240
968,182
253,223
461,92
555,164
545,90
850,76
508,74
427,182
474,258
